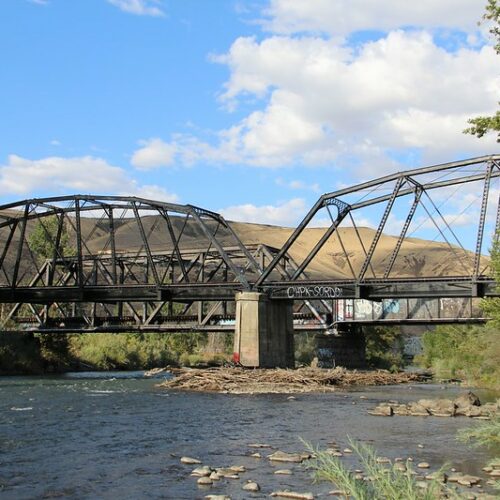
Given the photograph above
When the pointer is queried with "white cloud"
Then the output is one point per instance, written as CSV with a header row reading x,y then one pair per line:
x,y
154,153
140,7
294,184
77,175
322,103
284,214
341,17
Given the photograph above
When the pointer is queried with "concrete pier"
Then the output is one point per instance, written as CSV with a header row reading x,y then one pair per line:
x,y
347,348
264,332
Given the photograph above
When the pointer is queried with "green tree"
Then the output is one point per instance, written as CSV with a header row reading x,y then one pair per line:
x,y
43,238
481,125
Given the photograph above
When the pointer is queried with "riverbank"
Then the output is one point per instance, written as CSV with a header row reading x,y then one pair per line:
x,y
278,381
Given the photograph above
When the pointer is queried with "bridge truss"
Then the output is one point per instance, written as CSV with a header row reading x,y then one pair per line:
x,y
108,263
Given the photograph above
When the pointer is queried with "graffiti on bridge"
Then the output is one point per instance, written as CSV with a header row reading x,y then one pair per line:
x,y
313,292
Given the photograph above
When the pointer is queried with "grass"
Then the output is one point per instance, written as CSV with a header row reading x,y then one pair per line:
x,y
385,482
486,434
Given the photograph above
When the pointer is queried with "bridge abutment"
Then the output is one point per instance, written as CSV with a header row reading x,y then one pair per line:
x,y
347,348
263,336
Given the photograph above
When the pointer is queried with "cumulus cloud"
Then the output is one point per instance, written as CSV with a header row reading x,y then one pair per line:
x,y
78,175
153,153
341,17
320,102
287,213
140,7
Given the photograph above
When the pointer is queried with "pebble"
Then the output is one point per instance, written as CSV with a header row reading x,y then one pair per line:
x,y
362,397
214,476
495,473
400,467
437,476
217,497
204,481
293,494
259,445
283,472
383,460
398,459
291,398
488,469
190,461
338,493
347,450
281,456
202,471
256,455
251,486
423,465
420,445
238,468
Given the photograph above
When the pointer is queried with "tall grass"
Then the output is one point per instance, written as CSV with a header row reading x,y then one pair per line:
x,y
383,482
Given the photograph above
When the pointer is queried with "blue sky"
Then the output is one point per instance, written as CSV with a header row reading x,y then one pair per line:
x,y
250,108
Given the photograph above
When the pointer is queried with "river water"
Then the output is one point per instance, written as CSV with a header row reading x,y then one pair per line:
x,y
117,435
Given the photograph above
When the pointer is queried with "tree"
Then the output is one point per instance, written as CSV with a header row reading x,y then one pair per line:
x,y
43,238
484,124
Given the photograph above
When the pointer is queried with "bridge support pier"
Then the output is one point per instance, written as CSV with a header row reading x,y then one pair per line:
x,y
347,348
263,336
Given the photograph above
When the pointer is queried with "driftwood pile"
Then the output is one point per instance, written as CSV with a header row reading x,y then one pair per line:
x,y
247,381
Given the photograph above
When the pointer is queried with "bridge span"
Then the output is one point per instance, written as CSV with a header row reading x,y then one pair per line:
x,y
390,250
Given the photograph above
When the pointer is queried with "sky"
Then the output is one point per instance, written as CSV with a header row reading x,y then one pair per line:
x,y
248,108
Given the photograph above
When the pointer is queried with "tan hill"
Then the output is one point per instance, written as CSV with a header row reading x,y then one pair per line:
x,y
417,257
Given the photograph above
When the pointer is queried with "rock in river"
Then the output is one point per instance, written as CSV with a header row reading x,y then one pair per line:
x,y
251,486
282,456
190,461
293,494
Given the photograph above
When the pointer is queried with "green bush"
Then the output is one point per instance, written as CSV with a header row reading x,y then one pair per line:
x,y
20,353
384,347
468,353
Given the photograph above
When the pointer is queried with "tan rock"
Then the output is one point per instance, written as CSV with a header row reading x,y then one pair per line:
x,y
281,456
347,450
238,468
293,494
204,481
423,465
251,486
283,472
190,461
202,471
214,476
467,399
259,445
256,455
217,497
382,460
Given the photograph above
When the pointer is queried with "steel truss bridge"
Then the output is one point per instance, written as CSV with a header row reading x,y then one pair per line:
x,y
106,263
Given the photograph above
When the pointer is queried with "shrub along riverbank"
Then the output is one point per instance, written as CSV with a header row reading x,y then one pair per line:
x,y
469,354
28,353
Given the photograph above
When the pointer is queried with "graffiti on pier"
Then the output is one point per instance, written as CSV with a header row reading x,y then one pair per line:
x,y
313,292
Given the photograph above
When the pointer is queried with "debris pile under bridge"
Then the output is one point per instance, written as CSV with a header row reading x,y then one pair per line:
x,y
245,381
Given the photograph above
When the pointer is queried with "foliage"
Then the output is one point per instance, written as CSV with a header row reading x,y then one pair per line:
x,y
386,482
305,348
20,353
384,347
469,353
485,434
42,240
484,124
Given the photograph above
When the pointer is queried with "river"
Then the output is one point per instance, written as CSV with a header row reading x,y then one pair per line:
x,y
117,435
